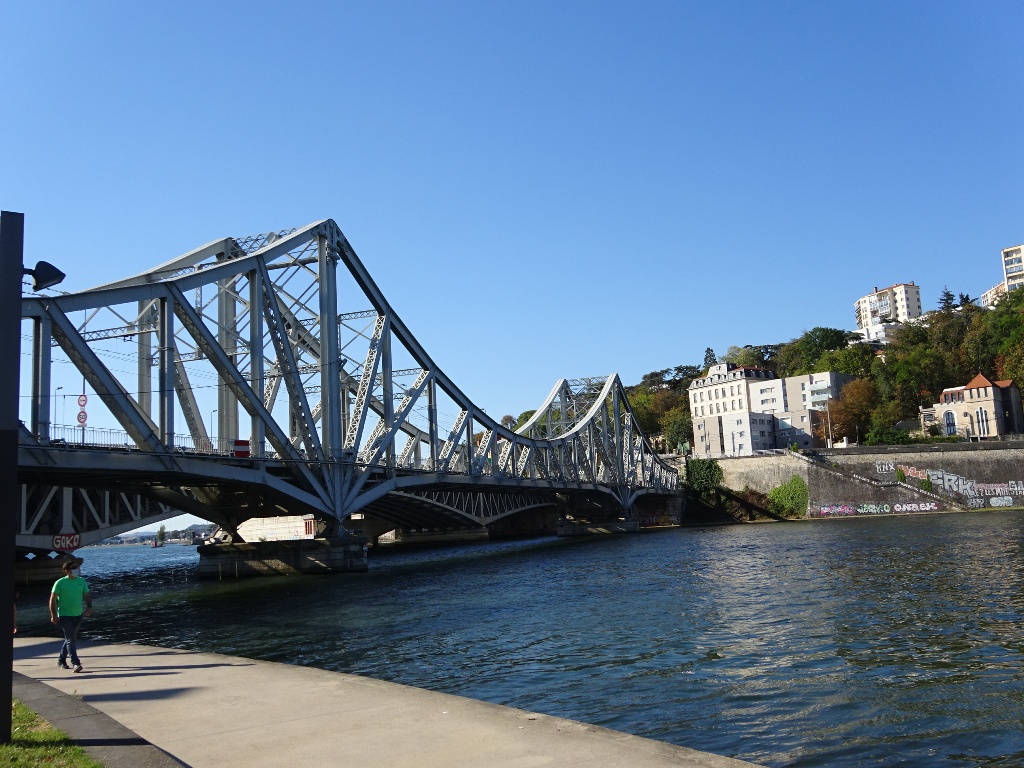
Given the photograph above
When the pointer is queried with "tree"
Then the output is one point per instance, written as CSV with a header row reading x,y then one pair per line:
x,y
851,414
817,341
749,356
641,403
854,360
654,380
709,357
161,534
508,421
703,475
677,426
947,301
524,417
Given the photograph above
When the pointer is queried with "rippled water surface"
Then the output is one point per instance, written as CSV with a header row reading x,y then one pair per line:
x,y
891,641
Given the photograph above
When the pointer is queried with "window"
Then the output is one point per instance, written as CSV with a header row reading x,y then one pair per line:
x,y
740,447
739,421
982,416
950,421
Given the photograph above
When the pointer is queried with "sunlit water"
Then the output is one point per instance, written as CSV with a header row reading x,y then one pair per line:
x,y
893,641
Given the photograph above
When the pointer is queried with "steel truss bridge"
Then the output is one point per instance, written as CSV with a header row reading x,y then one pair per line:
x,y
345,413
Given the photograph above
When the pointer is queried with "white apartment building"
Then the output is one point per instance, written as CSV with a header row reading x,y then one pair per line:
x,y
993,294
881,311
1013,267
738,411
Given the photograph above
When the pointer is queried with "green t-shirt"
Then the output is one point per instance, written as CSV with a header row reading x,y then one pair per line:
x,y
70,595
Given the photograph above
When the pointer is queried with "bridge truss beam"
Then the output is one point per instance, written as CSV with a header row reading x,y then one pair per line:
x,y
364,410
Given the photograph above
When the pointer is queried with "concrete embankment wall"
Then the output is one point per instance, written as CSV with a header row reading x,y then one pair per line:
x,y
863,481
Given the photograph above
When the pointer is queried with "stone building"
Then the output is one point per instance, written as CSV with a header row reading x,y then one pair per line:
x,y
981,409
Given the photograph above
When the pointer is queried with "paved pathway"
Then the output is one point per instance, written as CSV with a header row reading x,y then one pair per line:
x,y
213,711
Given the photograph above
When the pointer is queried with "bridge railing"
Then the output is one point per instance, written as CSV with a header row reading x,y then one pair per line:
x,y
67,435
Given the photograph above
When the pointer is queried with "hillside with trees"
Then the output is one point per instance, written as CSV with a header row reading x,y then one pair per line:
x,y
944,348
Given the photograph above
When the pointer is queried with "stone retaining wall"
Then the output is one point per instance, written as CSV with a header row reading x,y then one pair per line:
x,y
977,475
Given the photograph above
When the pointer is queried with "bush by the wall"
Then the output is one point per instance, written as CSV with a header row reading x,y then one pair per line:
x,y
790,498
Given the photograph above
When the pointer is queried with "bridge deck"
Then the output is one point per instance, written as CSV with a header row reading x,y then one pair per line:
x,y
213,711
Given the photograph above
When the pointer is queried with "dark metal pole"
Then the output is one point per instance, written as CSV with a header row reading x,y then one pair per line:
x,y
12,242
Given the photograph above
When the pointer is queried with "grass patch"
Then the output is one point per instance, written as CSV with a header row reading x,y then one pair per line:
x,y
34,742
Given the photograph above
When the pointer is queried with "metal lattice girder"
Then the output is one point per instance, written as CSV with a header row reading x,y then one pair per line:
x,y
252,313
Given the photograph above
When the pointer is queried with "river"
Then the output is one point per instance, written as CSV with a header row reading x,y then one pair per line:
x,y
884,641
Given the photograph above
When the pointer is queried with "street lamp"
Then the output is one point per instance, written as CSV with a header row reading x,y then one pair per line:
x,y
58,389
12,251
213,432
828,413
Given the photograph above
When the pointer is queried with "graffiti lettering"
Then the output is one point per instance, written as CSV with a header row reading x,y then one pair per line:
x,y
976,502
927,506
834,510
873,509
1001,501
885,467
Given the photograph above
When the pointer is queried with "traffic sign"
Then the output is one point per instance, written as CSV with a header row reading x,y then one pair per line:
x,y
82,400
82,418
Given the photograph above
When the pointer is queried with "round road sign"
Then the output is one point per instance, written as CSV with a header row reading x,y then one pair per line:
x,y
82,417
82,400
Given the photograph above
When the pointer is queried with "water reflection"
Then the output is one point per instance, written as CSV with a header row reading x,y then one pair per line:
x,y
882,641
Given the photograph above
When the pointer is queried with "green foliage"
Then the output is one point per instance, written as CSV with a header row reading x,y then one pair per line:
x,y
751,357
901,476
926,485
703,475
35,742
641,402
677,426
854,360
161,534
524,417
801,355
709,358
880,435
790,498
947,300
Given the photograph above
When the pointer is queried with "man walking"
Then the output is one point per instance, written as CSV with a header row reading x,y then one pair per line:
x,y
69,601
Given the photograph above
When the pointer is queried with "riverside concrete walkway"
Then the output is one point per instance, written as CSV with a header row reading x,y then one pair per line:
x,y
213,711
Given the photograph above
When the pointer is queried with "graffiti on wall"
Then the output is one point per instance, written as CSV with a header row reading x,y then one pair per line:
x,y
975,494
846,510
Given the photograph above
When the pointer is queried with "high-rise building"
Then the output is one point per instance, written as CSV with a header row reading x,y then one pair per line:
x,y
884,309
1013,267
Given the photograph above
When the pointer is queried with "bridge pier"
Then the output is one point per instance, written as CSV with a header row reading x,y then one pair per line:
x,y
283,558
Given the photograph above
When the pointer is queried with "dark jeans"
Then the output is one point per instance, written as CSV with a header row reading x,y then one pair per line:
x,y
69,626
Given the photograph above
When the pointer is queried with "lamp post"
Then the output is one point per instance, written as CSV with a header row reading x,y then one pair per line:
x,y
828,413
55,391
12,249
213,432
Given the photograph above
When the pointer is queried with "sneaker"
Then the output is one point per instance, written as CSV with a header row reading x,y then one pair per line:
x,y
78,668
63,664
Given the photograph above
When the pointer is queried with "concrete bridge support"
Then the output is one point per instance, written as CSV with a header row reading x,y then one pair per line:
x,y
283,558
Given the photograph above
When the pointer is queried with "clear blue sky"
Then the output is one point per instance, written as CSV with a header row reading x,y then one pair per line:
x,y
542,189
